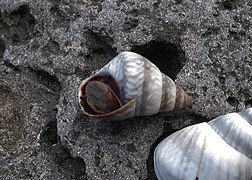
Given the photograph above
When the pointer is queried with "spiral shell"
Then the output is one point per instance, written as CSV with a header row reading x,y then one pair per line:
x,y
134,86
220,149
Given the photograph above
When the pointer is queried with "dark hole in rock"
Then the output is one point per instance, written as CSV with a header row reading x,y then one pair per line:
x,y
47,79
232,101
13,67
49,136
248,103
73,168
22,25
229,4
169,58
2,48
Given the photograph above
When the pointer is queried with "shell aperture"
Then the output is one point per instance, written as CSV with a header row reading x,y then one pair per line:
x,y
101,98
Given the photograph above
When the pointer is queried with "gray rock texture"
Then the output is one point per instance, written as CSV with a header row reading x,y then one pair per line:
x,y
47,47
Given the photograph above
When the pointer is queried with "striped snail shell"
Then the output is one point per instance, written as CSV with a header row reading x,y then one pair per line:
x,y
220,149
130,85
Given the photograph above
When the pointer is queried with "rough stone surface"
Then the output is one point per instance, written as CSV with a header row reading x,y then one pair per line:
x,y
47,47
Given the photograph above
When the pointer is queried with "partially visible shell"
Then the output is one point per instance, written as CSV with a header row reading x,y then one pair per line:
x,y
220,149
138,85
234,130
247,115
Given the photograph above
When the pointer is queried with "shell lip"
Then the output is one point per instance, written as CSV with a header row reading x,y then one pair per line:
x,y
110,114
104,77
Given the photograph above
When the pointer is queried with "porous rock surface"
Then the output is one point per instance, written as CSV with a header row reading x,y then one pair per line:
x,y
47,47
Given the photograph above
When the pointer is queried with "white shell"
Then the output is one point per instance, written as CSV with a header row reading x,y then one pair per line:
x,y
220,149
142,88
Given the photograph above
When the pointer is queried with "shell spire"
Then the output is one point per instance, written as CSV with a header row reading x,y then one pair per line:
x,y
135,85
173,96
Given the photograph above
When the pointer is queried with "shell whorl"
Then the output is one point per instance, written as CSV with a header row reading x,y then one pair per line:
x,y
173,96
229,128
139,80
220,149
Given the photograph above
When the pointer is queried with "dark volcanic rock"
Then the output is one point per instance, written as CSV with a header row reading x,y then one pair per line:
x,y
48,47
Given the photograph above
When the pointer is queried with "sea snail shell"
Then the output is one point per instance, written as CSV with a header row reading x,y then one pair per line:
x,y
220,149
130,85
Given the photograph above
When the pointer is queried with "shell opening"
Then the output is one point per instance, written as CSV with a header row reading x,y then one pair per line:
x,y
100,95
